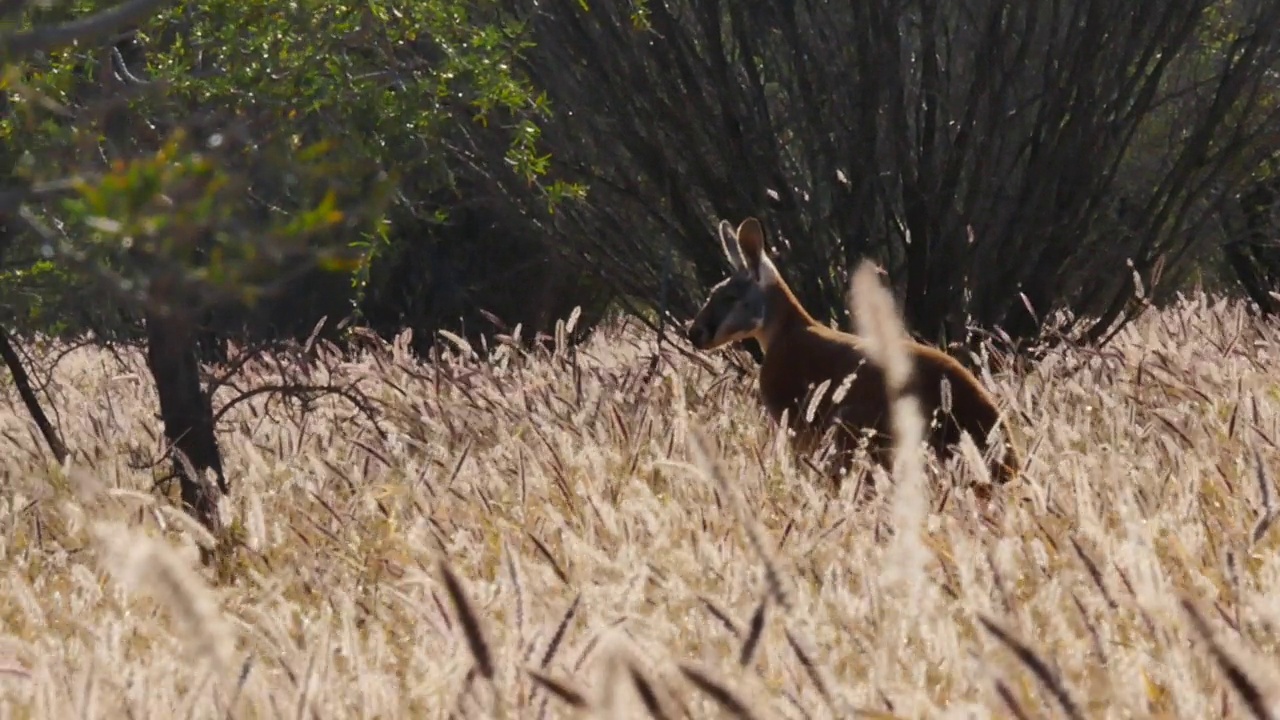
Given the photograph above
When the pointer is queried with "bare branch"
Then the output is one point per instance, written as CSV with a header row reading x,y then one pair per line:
x,y
307,394
81,30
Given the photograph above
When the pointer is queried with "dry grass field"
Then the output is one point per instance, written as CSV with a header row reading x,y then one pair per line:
x,y
536,534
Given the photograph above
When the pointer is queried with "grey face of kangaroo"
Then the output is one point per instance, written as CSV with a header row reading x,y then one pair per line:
x,y
735,308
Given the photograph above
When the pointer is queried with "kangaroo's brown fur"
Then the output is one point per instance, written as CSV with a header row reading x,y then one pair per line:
x,y
800,354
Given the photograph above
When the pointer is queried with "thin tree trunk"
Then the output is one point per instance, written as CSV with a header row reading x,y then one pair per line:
x,y
172,356
29,398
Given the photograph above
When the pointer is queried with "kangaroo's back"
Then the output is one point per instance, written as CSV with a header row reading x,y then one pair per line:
x,y
948,388
800,361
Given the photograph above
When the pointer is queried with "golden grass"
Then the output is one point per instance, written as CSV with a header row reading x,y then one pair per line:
x,y
539,534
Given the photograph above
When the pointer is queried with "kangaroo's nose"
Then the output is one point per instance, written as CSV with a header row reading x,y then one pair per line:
x,y
697,335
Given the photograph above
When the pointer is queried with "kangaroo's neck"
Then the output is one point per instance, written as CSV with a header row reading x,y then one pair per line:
x,y
783,314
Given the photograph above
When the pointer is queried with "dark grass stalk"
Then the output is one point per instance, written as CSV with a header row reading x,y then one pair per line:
x,y
754,631
561,689
1011,702
1264,483
795,703
1094,573
593,642
1093,631
720,615
811,669
997,579
546,553
1248,690
1268,514
726,698
470,622
464,694
519,591
1142,613
656,701
1047,677
558,637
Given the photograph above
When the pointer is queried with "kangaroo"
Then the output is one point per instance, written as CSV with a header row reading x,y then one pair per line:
x,y
800,354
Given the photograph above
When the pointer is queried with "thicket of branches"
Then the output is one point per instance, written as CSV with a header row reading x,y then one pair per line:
x,y
992,156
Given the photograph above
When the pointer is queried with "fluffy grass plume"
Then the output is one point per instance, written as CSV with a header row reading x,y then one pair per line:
x,y
570,534
877,323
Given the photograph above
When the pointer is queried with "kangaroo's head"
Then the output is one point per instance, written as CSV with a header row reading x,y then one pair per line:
x,y
735,308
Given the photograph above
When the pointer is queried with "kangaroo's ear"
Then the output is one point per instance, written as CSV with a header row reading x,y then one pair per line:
x,y
751,244
729,243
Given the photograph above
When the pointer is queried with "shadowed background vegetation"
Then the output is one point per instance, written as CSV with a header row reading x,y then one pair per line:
x,y
460,165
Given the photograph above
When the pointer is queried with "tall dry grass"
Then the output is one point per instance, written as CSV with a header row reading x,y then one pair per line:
x,y
537,535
